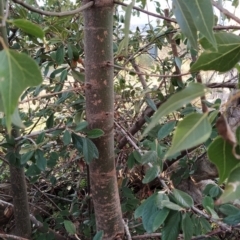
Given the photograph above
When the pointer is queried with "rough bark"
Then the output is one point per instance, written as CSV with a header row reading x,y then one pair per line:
x,y
100,114
20,198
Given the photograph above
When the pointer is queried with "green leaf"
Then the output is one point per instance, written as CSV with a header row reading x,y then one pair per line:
x,y
161,196
233,219
166,129
41,161
151,174
70,227
17,72
185,21
66,138
228,209
98,236
127,26
222,60
81,126
95,133
89,150
183,198
25,157
203,18
150,156
193,130
149,210
205,225
171,226
60,55
232,187
50,121
220,153
207,202
29,27
187,227
151,104
171,205
139,211
159,218
80,77
192,91
238,135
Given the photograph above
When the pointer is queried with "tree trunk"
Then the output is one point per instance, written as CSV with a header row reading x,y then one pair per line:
x,y
100,114
19,193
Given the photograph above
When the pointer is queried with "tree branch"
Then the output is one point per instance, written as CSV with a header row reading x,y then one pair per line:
x,y
226,12
55,14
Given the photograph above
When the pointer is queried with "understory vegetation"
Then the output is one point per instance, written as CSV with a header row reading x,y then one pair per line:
x,y
108,125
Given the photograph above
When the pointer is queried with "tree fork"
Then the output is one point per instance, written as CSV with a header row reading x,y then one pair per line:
x,y
100,114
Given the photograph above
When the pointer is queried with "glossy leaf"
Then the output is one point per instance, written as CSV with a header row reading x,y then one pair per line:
x,y
95,133
166,129
60,55
80,77
50,121
185,21
41,161
171,226
29,27
66,137
203,18
220,153
17,72
187,227
192,91
26,157
222,60
193,130
232,187
81,126
89,150
183,198
70,227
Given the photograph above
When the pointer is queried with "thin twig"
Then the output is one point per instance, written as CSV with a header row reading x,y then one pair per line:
x,y
226,12
126,228
51,94
8,236
55,14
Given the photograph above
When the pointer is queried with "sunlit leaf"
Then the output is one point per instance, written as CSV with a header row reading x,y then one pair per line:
x,y
222,60
232,187
203,18
29,27
220,153
17,72
192,91
185,21
194,129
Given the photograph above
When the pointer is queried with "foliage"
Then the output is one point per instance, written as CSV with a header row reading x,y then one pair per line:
x,y
42,93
